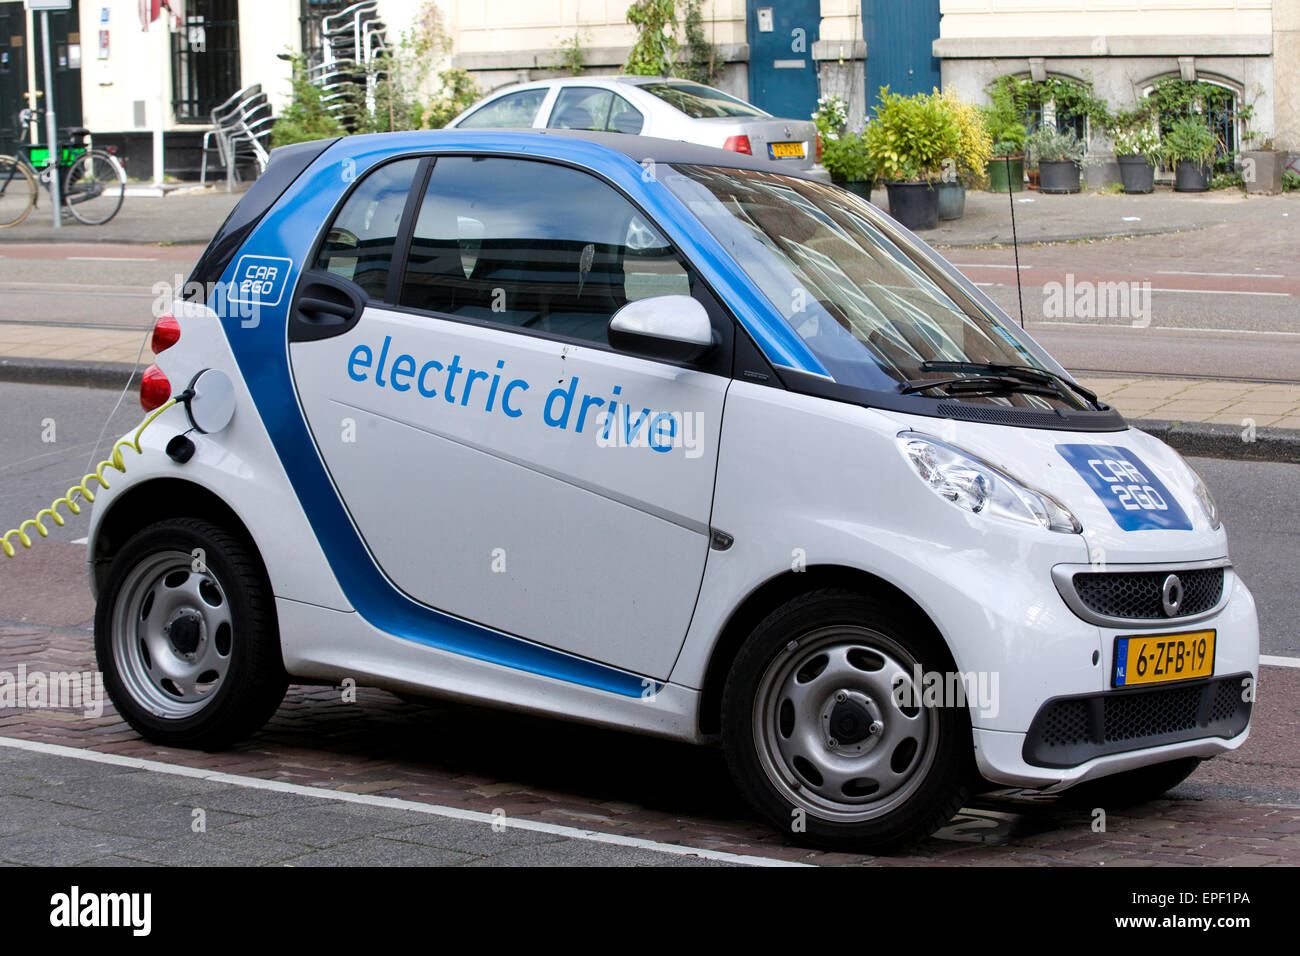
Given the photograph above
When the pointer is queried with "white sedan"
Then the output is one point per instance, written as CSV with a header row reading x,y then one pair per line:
x,y
661,107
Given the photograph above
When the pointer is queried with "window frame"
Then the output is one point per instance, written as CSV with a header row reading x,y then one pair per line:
x,y
719,359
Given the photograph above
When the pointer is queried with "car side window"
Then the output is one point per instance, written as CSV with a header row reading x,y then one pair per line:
x,y
509,111
625,118
582,107
534,245
579,107
360,241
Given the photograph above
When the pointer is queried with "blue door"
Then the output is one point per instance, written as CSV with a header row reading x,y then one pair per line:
x,y
782,76
899,35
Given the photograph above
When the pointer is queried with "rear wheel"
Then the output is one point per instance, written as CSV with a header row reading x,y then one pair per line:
x,y
94,188
186,636
17,192
825,729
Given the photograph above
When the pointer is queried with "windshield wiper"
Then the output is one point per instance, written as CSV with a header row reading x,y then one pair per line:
x,y
984,385
1025,373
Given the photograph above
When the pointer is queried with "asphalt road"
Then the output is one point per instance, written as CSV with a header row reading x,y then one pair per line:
x,y
1221,302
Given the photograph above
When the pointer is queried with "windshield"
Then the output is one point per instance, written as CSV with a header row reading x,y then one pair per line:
x,y
865,308
700,102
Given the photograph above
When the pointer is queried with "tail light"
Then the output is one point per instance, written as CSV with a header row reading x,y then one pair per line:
x,y
166,333
819,147
154,388
738,144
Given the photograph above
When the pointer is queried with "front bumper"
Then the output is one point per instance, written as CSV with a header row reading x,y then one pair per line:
x,y
1080,733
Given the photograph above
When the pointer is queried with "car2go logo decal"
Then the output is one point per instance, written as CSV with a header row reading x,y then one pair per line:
x,y
1134,496
261,280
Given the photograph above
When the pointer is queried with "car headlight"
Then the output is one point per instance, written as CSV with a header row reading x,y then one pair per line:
x,y
1202,492
980,488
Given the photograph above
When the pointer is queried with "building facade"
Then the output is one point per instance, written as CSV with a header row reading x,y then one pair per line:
x,y
122,81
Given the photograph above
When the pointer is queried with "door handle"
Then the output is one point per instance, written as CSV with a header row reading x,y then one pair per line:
x,y
325,305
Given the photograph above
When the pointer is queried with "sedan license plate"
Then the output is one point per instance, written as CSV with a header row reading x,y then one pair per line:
x,y
786,150
1159,658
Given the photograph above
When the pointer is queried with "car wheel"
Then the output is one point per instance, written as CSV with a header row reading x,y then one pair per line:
x,y
186,636
823,737
1131,787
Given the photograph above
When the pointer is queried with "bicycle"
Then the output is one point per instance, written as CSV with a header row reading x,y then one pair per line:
x,y
93,186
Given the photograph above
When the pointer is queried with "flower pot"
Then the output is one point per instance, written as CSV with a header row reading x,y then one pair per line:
x,y
1262,170
1058,176
859,187
1137,173
1191,177
914,205
998,174
952,201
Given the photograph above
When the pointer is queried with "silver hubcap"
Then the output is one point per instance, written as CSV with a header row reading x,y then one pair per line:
x,y
172,635
836,730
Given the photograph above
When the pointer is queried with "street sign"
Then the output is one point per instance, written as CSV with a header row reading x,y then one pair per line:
x,y
48,6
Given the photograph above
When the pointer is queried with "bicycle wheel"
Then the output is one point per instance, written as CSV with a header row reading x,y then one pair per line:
x,y
94,188
17,192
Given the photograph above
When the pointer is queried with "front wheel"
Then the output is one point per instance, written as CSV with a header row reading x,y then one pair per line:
x,y
828,733
186,636
95,187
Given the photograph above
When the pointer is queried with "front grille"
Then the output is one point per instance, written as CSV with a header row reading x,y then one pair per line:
x,y
1068,731
1136,595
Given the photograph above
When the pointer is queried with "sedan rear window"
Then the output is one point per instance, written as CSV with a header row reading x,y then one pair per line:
x,y
701,102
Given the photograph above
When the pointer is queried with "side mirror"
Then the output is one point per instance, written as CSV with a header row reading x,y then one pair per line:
x,y
674,327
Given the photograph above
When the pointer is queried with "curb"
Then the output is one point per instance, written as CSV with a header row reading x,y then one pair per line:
x,y
1207,440
34,371
1198,439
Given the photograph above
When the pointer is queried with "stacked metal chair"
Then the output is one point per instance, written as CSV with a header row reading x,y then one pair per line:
x,y
241,133
352,41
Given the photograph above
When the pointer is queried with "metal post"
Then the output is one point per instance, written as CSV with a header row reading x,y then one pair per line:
x,y
51,126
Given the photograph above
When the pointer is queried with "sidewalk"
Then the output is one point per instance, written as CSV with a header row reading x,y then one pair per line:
x,y
74,810
193,218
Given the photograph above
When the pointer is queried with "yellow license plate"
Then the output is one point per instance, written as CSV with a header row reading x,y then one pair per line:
x,y
1159,658
787,150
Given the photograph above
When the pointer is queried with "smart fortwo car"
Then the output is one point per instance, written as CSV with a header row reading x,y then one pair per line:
x,y
643,434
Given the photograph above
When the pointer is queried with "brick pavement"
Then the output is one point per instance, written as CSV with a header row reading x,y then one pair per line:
x,y
1237,810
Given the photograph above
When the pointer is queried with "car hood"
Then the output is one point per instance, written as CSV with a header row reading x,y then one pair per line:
x,y
1113,482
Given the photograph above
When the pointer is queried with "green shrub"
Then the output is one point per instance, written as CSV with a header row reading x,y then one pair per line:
x,y
1189,140
305,117
1048,145
1003,120
911,137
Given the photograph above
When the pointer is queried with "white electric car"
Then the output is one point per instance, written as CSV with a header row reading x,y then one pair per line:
x,y
646,435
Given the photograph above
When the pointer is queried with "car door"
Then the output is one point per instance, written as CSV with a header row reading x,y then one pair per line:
x,y
464,415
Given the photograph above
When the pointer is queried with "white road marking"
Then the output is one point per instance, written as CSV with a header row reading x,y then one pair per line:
x,y
1166,328
1223,275
1282,295
109,259
392,803
1269,660
981,265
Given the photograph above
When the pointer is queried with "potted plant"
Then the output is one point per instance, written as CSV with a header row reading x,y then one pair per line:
x,y
1263,168
1059,157
1136,146
844,154
1190,145
1005,125
908,141
969,167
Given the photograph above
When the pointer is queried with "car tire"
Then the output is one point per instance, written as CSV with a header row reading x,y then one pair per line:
x,y
186,636
821,665
1131,787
